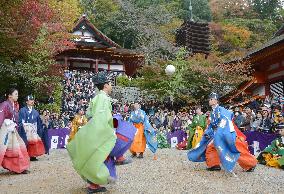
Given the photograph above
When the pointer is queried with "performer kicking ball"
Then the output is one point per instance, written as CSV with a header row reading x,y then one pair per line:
x,y
92,144
222,142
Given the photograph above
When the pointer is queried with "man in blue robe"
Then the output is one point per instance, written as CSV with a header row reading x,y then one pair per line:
x,y
220,144
31,129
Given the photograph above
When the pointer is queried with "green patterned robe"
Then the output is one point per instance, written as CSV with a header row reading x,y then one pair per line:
x,y
198,120
275,148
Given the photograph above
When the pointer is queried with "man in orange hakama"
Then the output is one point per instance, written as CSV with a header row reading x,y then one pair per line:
x,y
145,133
139,142
246,160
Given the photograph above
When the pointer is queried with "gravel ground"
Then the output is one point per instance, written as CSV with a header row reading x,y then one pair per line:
x,y
170,173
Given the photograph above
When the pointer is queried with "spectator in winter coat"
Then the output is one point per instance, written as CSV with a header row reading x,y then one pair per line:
x,y
266,124
238,117
257,122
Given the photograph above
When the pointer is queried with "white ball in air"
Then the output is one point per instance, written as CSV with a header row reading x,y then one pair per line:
x,y
170,70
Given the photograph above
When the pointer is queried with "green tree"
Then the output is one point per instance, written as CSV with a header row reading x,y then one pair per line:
x,y
67,11
262,30
143,29
200,9
225,9
268,9
33,33
194,79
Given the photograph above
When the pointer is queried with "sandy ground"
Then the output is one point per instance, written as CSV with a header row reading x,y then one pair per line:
x,y
171,173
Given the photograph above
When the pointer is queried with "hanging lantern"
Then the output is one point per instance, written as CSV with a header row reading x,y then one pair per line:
x,y
170,70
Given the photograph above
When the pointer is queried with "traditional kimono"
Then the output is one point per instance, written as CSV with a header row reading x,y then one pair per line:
x,y
221,135
273,155
196,129
91,146
31,131
125,133
145,133
77,123
13,152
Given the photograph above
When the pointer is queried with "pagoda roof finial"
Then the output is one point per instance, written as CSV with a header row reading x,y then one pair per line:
x,y
190,11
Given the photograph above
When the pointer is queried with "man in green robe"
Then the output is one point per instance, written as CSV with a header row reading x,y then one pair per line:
x,y
93,143
273,155
199,120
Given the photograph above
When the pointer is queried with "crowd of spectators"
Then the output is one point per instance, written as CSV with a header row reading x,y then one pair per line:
x,y
162,115
257,115
54,120
260,115
78,90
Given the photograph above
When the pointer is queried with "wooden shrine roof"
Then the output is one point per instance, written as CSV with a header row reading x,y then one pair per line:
x,y
83,20
91,44
273,42
98,47
100,42
280,31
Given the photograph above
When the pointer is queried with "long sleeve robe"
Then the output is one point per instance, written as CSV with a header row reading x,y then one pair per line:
x,y
94,141
13,152
273,155
198,121
140,117
34,142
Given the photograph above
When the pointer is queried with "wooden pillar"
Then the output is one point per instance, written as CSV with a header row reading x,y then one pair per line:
x,y
267,88
66,62
108,67
266,84
123,66
97,65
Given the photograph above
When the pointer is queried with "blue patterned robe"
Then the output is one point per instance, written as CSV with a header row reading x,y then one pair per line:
x,y
221,131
